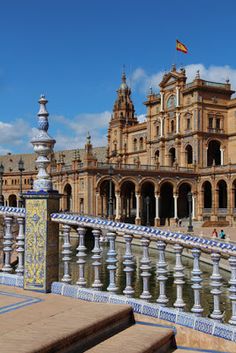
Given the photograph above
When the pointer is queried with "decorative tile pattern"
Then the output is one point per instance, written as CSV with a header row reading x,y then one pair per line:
x,y
150,310
223,331
167,315
204,325
187,320
35,244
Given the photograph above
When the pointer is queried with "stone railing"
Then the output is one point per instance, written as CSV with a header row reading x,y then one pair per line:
x,y
197,245
12,247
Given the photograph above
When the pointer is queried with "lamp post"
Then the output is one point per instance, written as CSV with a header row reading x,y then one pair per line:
x,y
1,175
110,201
21,169
148,199
190,226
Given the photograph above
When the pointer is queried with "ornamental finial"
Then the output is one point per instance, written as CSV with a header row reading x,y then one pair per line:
x,y
197,75
43,147
43,114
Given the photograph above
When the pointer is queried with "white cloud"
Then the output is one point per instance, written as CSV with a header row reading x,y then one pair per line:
x,y
141,80
13,135
72,132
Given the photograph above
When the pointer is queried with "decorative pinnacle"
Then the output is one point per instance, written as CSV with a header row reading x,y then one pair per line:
x,y
123,75
150,91
197,77
88,138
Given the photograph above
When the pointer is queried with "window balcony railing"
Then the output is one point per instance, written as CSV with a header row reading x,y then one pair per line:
x,y
207,210
222,211
215,130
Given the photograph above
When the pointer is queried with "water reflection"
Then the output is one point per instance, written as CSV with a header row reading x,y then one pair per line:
x,y
206,297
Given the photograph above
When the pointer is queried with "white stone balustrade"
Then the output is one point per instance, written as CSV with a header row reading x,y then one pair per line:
x,y
66,252
13,246
163,241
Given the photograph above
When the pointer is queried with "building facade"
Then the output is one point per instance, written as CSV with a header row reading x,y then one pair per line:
x,y
144,174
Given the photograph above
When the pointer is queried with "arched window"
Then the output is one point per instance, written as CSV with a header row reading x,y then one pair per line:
x,y
135,144
141,143
207,194
189,154
172,155
158,130
213,153
188,118
222,196
172,126
171,102
157,154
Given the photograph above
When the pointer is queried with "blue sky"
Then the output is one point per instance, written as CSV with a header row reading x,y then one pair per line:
x,y
73,51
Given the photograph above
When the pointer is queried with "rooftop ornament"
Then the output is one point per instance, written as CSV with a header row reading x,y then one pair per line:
x,y
43,147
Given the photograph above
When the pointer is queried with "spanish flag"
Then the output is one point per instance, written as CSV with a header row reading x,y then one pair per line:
x,y
181,47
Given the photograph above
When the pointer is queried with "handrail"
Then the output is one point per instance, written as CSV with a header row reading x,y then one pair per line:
x,y
12,211
186,240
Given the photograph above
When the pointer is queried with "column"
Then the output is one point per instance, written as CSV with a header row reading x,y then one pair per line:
x,y
97,284
97,204
161,132
177,122
145,269
221,156
193,206
157,196
117,206
137,219
177,96
162,101
175,206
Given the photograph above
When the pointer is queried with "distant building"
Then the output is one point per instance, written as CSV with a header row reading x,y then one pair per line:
x,y
187,143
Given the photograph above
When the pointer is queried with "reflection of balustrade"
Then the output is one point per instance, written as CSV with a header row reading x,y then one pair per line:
x,y
179,241
13,246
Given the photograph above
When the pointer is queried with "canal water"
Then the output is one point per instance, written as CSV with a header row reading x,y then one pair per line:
x,y
206,297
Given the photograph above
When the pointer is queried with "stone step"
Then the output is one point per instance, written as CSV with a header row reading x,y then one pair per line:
x,y
68,329
138,339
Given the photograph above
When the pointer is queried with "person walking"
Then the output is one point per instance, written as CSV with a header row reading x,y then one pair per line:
x,y
222,234
214,234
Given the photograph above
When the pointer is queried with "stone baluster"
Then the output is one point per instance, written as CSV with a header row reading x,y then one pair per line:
x,y
232,289
111,261
81,255
145,269
66,252
179,277
196,279
128,266
216,284
7,244
20,242
161,273
97,284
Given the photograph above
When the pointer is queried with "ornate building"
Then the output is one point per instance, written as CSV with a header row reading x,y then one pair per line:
x,y
187,143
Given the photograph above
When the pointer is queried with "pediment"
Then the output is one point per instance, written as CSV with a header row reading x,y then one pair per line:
x,y
169,79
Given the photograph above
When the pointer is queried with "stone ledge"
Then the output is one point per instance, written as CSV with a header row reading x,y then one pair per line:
x,y
11,280
189,320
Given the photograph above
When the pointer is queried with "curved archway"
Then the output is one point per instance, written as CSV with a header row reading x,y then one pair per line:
x,y
207,194
183,211
148,207
222,194
128,202
12,200
166,203
189,154
107,198
213,153
67,197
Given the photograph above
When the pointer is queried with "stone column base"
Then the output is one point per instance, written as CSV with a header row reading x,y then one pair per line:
x,y
138,221
157,222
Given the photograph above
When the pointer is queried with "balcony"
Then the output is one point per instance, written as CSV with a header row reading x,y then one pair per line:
x,y
215,130
207,210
